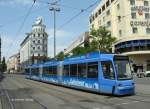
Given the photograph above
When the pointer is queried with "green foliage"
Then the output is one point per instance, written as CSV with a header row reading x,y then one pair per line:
x,y
102,40
60,56
81,50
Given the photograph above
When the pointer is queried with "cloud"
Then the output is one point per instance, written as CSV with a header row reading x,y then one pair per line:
x,y
10,46
59,33
63,39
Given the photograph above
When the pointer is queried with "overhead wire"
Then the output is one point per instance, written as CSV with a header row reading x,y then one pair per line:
x,y
21,26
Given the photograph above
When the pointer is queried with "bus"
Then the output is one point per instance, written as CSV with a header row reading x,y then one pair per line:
x,y
97,72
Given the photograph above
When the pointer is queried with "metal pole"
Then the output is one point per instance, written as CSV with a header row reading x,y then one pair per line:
x,y
54,33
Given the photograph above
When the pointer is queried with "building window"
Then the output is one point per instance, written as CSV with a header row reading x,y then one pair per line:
x,y
90,22
133,15
108,23
120,33
134,30
148,30
99,11
39,41
145,3
34,41
39,47
103,8
96,15
132,2
107,3
38,35
119,18
147,16
112,1
33,48
33,35
108,12
118,6
93,18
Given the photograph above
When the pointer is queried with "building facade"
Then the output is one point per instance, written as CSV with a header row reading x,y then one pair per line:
x,y
82,40
13,64
129,22
34,47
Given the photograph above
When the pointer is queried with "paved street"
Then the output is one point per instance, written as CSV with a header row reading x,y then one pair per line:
x,y
19,93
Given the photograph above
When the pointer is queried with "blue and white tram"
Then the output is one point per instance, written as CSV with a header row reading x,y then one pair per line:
x,y
99,72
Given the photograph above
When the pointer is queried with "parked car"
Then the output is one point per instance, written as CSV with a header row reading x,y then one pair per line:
x,y
143,74
147,73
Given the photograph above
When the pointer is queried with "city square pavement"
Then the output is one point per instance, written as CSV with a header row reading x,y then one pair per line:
x,y
16,92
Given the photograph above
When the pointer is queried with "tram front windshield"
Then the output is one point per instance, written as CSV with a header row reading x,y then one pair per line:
x,y
123,69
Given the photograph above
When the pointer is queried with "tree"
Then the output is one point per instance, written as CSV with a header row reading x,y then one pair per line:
x,y
81,50
102,39
3,66
60,56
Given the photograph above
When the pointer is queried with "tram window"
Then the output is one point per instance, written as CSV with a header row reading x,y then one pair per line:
x,y
35,71
107,69
50,70
66,70
45,70
92,70
73,70
54,70
82,70
27,71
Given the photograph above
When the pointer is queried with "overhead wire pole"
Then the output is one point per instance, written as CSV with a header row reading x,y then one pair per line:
x,y
54,9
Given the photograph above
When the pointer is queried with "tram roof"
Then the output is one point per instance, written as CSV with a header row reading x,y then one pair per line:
x,y
90,57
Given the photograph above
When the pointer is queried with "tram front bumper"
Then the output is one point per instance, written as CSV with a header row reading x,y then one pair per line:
x,y
125,90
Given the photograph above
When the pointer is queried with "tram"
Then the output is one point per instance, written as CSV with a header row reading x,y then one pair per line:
x,y
97,72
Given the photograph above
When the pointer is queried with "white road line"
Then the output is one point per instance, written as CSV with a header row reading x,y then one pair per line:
x,y
126,103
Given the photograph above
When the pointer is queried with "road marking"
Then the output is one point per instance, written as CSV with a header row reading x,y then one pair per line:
x,y
126,103
22,100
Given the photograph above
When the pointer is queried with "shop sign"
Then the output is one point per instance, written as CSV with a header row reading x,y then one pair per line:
x,y
140,8
140,23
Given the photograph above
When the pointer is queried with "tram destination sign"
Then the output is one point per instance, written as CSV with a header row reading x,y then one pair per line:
x,y
140,23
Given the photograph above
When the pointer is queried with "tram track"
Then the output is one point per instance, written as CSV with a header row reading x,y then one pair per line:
x,y
12,101
65,96
4,92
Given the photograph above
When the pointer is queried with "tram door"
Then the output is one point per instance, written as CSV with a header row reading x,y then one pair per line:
x,y
60,72
108,77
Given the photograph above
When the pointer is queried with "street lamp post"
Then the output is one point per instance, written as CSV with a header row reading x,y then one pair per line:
x,y
54,9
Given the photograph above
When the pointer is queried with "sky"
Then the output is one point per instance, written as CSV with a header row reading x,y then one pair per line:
x,y
13,12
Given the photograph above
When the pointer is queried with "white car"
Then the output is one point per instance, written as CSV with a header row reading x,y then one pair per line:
x,y
147,73
143,74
